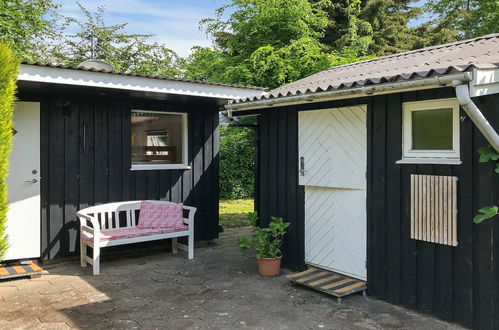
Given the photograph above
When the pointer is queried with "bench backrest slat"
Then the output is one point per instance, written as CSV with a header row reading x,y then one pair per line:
x,y
117,219
132,218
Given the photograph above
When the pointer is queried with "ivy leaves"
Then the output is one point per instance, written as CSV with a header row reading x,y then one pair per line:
x,y
487,154
486,213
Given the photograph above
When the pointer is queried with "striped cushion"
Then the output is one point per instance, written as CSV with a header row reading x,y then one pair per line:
x,y
160,215
123,233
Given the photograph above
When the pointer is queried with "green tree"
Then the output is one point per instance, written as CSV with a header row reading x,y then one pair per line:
x,y
9,67
28,26
205,63
126,52
257,23
472,18
267,43
236,162
389,20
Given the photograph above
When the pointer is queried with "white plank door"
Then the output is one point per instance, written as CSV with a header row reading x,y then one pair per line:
x,y
23,184
333,160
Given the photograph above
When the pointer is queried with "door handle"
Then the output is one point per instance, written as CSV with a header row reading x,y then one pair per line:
x,y
302,166
31,181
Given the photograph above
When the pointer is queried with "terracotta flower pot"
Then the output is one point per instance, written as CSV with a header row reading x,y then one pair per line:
x,y
269,266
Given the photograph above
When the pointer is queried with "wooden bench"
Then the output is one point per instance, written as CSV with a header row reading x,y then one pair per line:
x,y
116,224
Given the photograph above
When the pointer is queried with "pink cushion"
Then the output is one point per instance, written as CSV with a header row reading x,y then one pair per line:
x,y
122,233
160,215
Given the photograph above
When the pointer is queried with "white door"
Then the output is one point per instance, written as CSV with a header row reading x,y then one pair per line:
x,y
333,160
23,184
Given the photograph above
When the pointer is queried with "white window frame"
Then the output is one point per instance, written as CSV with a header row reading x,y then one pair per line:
x,y
411,156
185,145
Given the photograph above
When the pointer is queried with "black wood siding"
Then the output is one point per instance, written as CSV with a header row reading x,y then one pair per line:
x,y
86,160
278,191
460,283
456,283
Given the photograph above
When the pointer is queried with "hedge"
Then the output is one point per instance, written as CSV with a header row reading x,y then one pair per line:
x,y
237,162
9,67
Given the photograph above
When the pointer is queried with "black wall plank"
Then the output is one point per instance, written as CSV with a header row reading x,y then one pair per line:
x,y
393,203
56,181
71,157
377,270
484,177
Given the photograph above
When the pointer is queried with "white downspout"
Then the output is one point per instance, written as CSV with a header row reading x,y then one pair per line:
x,y
463,96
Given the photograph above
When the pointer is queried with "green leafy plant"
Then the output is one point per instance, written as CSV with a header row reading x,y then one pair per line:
x,y
267,240
486,213
9,67
487,154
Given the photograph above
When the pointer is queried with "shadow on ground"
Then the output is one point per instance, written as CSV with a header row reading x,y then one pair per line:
x,y
219,289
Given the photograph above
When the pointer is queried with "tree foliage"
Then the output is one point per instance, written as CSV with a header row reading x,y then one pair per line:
x,y
470,18
237,147
266,43
9,66
126,52
27,26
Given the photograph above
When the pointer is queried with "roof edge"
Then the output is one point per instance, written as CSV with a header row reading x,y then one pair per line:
x,y
89,78
362,91
129,74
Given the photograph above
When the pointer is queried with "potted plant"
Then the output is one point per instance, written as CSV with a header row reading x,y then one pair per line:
x,y
267,242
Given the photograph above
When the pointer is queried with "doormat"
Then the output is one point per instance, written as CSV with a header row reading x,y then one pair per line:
x,y
20,270
329,282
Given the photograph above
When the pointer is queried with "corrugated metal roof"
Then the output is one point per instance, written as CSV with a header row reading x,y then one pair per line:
x,y
62,66
482,52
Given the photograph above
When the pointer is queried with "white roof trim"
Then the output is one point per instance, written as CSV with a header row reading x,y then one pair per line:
x,y
74,77
486,82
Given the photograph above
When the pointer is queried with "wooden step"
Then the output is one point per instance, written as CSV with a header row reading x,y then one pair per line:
x,y
329,282
20,270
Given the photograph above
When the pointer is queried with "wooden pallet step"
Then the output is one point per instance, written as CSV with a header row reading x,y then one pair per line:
x,y
20,270
332,283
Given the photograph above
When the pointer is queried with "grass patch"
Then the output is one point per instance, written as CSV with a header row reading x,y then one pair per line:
x,y
233,213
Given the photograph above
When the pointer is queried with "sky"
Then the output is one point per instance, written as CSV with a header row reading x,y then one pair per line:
x,y
174,23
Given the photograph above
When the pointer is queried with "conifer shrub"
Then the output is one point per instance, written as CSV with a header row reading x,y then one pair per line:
x,y
9,67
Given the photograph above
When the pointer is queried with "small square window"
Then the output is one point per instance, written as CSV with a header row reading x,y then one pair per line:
x,y
431,131
159,139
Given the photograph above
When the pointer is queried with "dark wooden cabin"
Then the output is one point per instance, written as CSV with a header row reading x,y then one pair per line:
x,y
81,139
453,270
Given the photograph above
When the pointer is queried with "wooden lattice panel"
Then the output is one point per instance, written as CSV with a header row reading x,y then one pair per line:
x,y
434,209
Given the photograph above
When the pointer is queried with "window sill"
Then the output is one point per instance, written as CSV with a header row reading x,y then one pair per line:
x,y
159,167
438,161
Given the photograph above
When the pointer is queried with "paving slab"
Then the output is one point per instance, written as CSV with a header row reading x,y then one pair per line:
x,y
149,288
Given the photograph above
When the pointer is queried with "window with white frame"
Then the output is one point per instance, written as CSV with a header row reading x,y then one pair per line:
x,y
431,131
159,140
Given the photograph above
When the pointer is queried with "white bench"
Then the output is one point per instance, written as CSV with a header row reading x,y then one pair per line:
x,y
116,224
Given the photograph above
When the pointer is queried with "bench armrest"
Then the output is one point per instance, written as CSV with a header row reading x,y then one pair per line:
x,y
95,231
190,217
